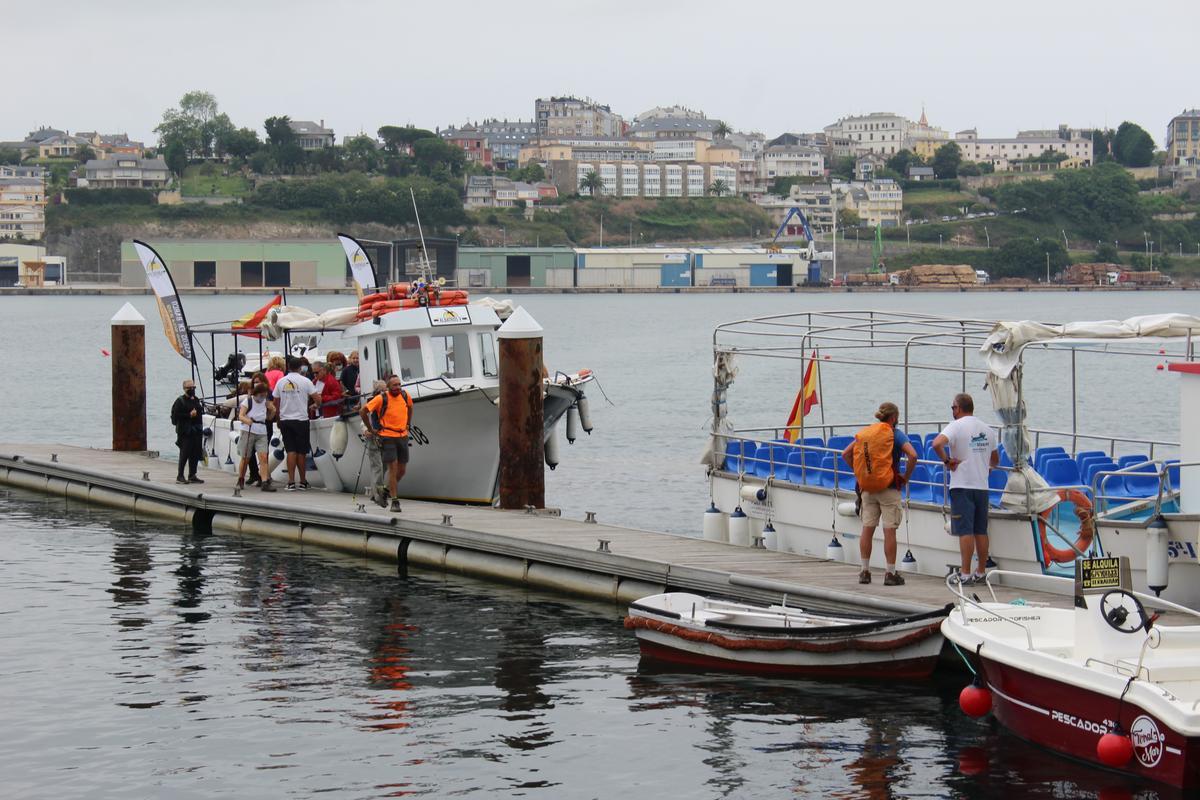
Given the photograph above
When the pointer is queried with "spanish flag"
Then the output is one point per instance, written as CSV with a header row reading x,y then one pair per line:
x,y
806,398
252,320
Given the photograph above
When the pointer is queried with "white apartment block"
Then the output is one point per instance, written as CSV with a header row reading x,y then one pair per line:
x,y
636,179
22,202
785,161
883,133
1000,153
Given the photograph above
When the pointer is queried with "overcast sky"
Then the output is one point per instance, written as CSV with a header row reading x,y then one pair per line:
x,y
770,67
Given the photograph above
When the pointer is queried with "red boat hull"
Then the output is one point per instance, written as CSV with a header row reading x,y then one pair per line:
x,y
907,669
1070,720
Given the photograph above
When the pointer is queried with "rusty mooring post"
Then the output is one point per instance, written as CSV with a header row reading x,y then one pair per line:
x,y
522,477
128,379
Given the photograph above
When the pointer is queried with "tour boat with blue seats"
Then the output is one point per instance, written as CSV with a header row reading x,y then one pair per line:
x,y
1100,476
1105,681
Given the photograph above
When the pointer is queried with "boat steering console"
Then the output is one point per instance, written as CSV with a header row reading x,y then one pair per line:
x,y
1123,612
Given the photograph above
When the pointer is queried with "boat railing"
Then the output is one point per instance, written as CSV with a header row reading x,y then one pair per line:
x,y
1111,503
956,588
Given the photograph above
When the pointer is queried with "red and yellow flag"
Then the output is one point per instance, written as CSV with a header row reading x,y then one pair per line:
x,y
806,398
252,320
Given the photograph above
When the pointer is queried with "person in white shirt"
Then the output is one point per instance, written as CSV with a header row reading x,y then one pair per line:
x,y
253,412
295,393
972,454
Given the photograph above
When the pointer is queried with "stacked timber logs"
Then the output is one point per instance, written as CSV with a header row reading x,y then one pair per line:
x,y
940,275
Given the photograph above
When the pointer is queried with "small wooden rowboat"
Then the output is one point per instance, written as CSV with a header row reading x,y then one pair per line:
x,y
687,629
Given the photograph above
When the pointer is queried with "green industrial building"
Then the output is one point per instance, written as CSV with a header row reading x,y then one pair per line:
x,y
514,266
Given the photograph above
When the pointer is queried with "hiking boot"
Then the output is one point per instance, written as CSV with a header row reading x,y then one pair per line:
x,y
266,486
194,479
380,498
291,487
892,579
395,508
864,576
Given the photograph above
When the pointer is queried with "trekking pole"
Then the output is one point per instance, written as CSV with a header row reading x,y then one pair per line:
x,y
358,477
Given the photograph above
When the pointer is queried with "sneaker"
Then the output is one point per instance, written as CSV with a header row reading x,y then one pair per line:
x,y
291,487
380,498
864,576
266,486
892,579
254,482
194,479
302,486
957,578
181,479
979,577
395,509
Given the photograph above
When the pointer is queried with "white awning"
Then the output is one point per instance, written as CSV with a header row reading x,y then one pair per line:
x,y
290,318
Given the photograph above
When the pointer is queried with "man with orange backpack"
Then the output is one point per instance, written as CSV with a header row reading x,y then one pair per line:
x,y
874,455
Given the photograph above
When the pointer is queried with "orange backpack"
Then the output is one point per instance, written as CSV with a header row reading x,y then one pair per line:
x,y
873,447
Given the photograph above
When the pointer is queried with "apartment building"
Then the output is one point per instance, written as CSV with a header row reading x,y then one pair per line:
x,y
22,202
674,128
126,172
491,191
571,116
1004,153
788,160
472,142
643,179
882,132
1183,137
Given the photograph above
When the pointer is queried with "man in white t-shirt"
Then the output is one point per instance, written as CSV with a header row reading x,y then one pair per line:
x,y
295,394
971,456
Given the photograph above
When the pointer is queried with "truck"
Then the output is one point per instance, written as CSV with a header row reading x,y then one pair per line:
x,y
982,277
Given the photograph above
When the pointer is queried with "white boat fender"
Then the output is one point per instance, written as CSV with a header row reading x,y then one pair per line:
x,y
1157,558
339,436
739,528
834,550
585,414
277,458
716,527
310,463
846,508
908,563
756,493
550,448
327,469
769,537
572,424
276,442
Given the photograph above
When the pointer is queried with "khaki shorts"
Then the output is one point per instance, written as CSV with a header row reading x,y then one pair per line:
x,y
883,505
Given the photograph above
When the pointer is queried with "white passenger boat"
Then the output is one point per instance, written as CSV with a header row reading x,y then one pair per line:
x,y
694,631
444,348
1105,682
1061,493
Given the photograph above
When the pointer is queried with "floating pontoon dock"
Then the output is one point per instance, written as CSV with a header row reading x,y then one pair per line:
x,y
538,549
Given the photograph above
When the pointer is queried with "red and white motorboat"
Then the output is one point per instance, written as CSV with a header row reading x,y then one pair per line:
x,y
1105,682
700,632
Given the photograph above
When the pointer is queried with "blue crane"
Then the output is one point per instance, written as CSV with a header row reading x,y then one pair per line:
x,y
814,266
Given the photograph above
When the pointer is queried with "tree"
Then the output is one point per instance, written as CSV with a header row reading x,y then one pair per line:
x,y
1101,146
719,187
176,157
10,155
530,173
362,154
195,125
434,157
843,168
1107,253
1132,146
848,218
592,182
239,143
946,160
1027,258
902,160
84,153
281,139
722,130
969,168
398,139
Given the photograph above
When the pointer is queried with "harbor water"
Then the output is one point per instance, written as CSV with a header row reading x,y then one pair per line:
x,y
139,660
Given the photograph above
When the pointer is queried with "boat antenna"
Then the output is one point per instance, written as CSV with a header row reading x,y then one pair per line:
x,y
426,269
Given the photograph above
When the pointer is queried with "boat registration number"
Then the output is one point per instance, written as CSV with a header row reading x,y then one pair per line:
x,y
1181,551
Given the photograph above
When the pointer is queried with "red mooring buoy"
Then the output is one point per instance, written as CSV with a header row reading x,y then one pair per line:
x,y
1114,749
975,700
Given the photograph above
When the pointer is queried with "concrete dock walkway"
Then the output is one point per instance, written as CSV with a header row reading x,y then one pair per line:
x,y
539,549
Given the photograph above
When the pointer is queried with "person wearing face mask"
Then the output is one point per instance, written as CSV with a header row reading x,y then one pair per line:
x,y
294,394
388,416
253,412
187,415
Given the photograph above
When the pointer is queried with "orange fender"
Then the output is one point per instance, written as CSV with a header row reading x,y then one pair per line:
x,y
1087,528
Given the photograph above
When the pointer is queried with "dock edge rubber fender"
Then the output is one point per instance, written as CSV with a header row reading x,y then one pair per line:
x,y
730,643
1087,528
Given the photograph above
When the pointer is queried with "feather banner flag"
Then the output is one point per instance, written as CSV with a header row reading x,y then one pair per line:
x,y
806,398
251,321
169,306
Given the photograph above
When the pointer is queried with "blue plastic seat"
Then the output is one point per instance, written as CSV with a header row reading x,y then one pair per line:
x,y
1172,473
771,457
839,443
1095,466
846,481
826,473
1061,472
796,470
928,440
1005,459
918,487
737,451
1040,454
997,480
1130,460
1050,458
937,491
812,441
750,464
1142,482
1082,455
1085,459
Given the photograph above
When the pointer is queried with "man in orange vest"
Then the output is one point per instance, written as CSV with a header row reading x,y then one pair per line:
x,y
388,416
874,455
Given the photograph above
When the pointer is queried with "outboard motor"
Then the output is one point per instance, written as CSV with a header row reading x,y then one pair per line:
x,y
232,369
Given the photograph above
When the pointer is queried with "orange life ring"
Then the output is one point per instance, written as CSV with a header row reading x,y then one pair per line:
x,y
1087,528
397,291
370,299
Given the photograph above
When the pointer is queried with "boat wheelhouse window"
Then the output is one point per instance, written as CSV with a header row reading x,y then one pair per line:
x,y
383,361
451,355
487,350
412,363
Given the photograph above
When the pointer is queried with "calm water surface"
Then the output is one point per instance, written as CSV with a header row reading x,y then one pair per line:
x,y
138,660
